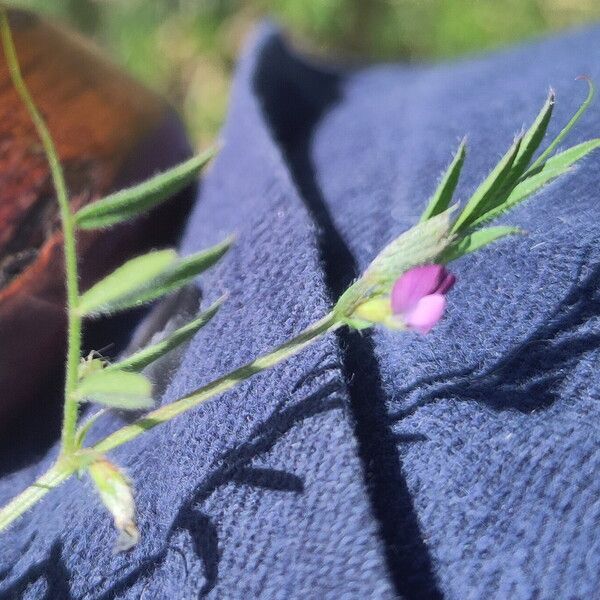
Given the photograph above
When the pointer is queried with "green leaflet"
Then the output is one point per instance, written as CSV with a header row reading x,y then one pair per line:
x,y
117,389
477,240
559,138
554,167
443,194
501,181
530,143
137,361
522,181
532,139
175,277
127,278
484,195
131,202
114,292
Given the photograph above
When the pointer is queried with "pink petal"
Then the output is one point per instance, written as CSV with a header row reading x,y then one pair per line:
x,y
414,285
426,313
447,284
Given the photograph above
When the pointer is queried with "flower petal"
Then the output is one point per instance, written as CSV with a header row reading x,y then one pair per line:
x,y
426,313
414,285
447,283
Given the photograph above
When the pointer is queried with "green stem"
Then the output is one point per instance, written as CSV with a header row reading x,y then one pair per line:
x,y
52,478
68,225
65,467
218,386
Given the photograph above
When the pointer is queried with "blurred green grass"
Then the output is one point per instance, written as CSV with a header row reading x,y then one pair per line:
x,y
186,49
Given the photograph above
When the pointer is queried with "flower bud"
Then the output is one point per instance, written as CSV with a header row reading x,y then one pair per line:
x,y
417,301
368,300
418,298
117,495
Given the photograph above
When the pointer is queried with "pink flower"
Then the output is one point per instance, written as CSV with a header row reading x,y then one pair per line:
x,y
418,296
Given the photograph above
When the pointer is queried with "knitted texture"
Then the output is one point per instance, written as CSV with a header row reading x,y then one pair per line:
x,y
458,465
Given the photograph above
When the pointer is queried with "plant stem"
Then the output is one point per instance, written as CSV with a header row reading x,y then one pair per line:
x,y
69,245
218,386
52,478
65,467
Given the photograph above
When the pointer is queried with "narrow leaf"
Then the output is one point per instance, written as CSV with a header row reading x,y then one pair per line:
x,y
180,274
482,200
476,240
139,360
559,138
129,277
106,297
117,389
129,203
173,278
554,167
442,197
530,143
533,138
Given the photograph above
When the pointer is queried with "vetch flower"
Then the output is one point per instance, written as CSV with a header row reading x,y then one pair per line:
x,y
416,301
418,297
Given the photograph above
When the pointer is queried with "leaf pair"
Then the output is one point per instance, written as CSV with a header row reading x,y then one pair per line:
x,y
498,185
148,277
551,169
136,282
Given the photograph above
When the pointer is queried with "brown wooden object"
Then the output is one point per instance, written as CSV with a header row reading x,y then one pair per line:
x,y
109,131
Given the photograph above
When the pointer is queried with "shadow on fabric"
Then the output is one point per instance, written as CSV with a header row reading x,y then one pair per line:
x,y
529,377
234,467
294,98
52,570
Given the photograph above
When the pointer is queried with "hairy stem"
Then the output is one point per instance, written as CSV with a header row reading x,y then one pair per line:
x,y
65,467
52,478
218,386
68,226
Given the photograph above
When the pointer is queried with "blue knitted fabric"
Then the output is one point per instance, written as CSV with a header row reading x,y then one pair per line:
x,y
458,465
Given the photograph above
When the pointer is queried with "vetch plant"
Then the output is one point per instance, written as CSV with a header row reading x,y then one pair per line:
x,y
404,288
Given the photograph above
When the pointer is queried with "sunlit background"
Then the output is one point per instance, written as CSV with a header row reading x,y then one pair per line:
x,y
186,49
